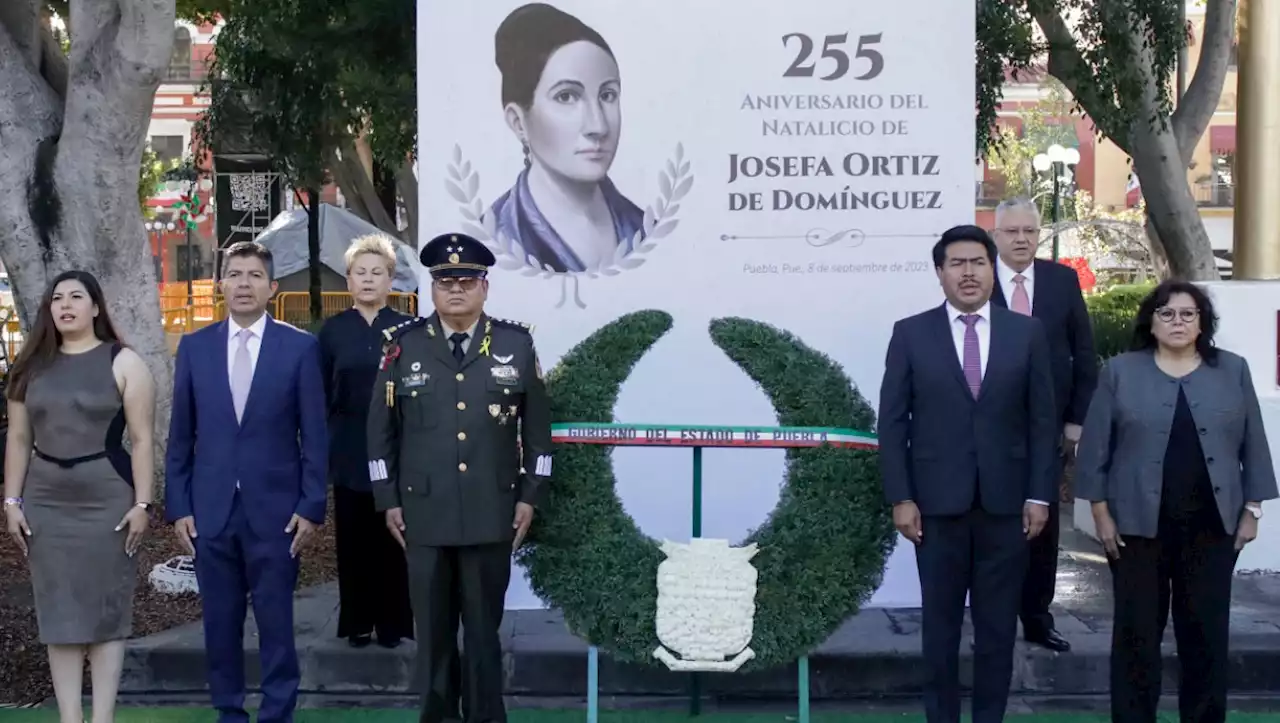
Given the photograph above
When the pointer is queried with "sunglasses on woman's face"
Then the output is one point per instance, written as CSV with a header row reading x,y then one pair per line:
x,y
1167,314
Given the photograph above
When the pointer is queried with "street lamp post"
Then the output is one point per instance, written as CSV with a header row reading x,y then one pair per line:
x,y
158,228
1056,158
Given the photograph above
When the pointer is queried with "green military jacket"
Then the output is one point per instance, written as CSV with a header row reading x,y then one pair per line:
x,y
456,444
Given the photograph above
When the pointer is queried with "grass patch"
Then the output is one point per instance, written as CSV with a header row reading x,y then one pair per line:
x,y
367,715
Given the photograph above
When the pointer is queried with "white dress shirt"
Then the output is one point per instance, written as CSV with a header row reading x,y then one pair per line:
x,y
983,329
255,343
1005,274
469,331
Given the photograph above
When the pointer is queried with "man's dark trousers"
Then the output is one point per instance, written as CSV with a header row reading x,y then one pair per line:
x,y
984,556
1042,571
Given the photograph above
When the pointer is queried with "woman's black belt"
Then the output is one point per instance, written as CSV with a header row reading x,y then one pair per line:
x,y
71,462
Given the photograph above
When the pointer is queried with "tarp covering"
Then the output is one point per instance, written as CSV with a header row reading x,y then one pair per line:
x,y
286,238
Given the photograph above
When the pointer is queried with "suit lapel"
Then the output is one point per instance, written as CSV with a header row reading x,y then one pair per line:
x,y
996,352
997,292
222,371
942,322
1038,290
480,343
266,355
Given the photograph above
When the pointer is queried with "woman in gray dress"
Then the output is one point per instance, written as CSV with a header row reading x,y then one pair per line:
x,y
75,501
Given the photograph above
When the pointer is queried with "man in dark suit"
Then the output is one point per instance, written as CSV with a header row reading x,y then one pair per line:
x,y
1051,293
245,479
459,447
967,438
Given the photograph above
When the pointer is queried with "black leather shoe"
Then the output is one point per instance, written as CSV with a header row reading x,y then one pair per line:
x,y
388,643
1050,639
359,641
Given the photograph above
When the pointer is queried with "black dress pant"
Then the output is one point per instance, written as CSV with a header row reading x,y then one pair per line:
x,y
1042,572
985,556
373,586
445,584
1189,565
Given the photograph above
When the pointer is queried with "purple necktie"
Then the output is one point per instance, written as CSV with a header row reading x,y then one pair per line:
x,y
972,355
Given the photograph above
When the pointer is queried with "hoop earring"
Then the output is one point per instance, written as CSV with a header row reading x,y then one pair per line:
x,y
525,147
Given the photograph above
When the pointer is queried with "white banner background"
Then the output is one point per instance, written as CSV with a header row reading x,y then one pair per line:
x,y
688,72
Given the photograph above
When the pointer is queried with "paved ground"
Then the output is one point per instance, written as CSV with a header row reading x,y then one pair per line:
x,y
876,654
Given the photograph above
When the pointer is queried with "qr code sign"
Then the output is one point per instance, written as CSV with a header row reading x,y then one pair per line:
x,y
249,192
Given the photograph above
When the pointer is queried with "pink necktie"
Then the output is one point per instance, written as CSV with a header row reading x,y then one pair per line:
x,y
241,373
972,362
1021,302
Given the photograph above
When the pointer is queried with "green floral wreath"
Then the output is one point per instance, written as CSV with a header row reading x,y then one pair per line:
x,y
822,550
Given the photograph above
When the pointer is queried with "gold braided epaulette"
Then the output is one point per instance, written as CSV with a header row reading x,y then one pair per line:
x,y
390,333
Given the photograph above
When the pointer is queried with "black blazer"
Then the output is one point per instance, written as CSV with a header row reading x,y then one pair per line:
x,y
938,445
1059,305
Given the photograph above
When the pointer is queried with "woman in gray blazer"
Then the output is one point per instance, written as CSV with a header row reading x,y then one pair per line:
x,y
1174,458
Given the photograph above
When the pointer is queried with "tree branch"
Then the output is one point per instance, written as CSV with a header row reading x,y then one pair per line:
x,y
145,40
27,103
407,183
23,20
1200,101
1068,65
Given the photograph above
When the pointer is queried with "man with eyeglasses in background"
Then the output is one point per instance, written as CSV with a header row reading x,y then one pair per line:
x,y
1050,292
459,448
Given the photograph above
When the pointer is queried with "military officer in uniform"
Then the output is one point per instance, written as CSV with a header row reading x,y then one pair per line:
x,y
459,447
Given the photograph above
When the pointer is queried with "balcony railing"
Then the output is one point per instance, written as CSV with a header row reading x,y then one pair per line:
x,y
193,73
1214,194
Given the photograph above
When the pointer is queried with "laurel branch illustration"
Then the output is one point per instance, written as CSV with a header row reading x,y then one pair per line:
x,y
674,183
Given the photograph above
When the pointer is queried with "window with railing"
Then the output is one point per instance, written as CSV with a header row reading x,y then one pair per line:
x,y
181,66
1217,189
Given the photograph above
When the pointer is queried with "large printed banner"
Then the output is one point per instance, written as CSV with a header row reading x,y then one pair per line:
x,y
791,162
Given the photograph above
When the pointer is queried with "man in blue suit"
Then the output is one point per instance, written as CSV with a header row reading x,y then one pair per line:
x,y
245,479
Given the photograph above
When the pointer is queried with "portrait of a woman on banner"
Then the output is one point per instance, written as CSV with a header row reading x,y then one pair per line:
x,y
561,96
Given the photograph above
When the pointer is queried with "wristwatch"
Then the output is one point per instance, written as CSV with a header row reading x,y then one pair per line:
x,y
146,506
1255,510
13,502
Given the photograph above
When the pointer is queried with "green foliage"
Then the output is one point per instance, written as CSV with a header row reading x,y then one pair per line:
x,y
822,550
1112,313
1014,149
271,92
1004,41
1110,81
150,176
296,80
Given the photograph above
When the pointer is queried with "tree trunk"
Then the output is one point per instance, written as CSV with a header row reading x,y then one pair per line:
x,y
407,185
1180,237
315,288
358,188
69,162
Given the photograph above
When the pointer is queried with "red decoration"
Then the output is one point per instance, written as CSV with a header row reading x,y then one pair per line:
x,y
391,355
1081,266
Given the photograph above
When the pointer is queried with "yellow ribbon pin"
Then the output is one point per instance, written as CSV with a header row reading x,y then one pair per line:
x,y
484,345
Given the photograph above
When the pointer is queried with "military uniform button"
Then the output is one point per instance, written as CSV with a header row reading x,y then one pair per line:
x,y
506,391
459,377
462,467
408,489
414,393
462,406
462,436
